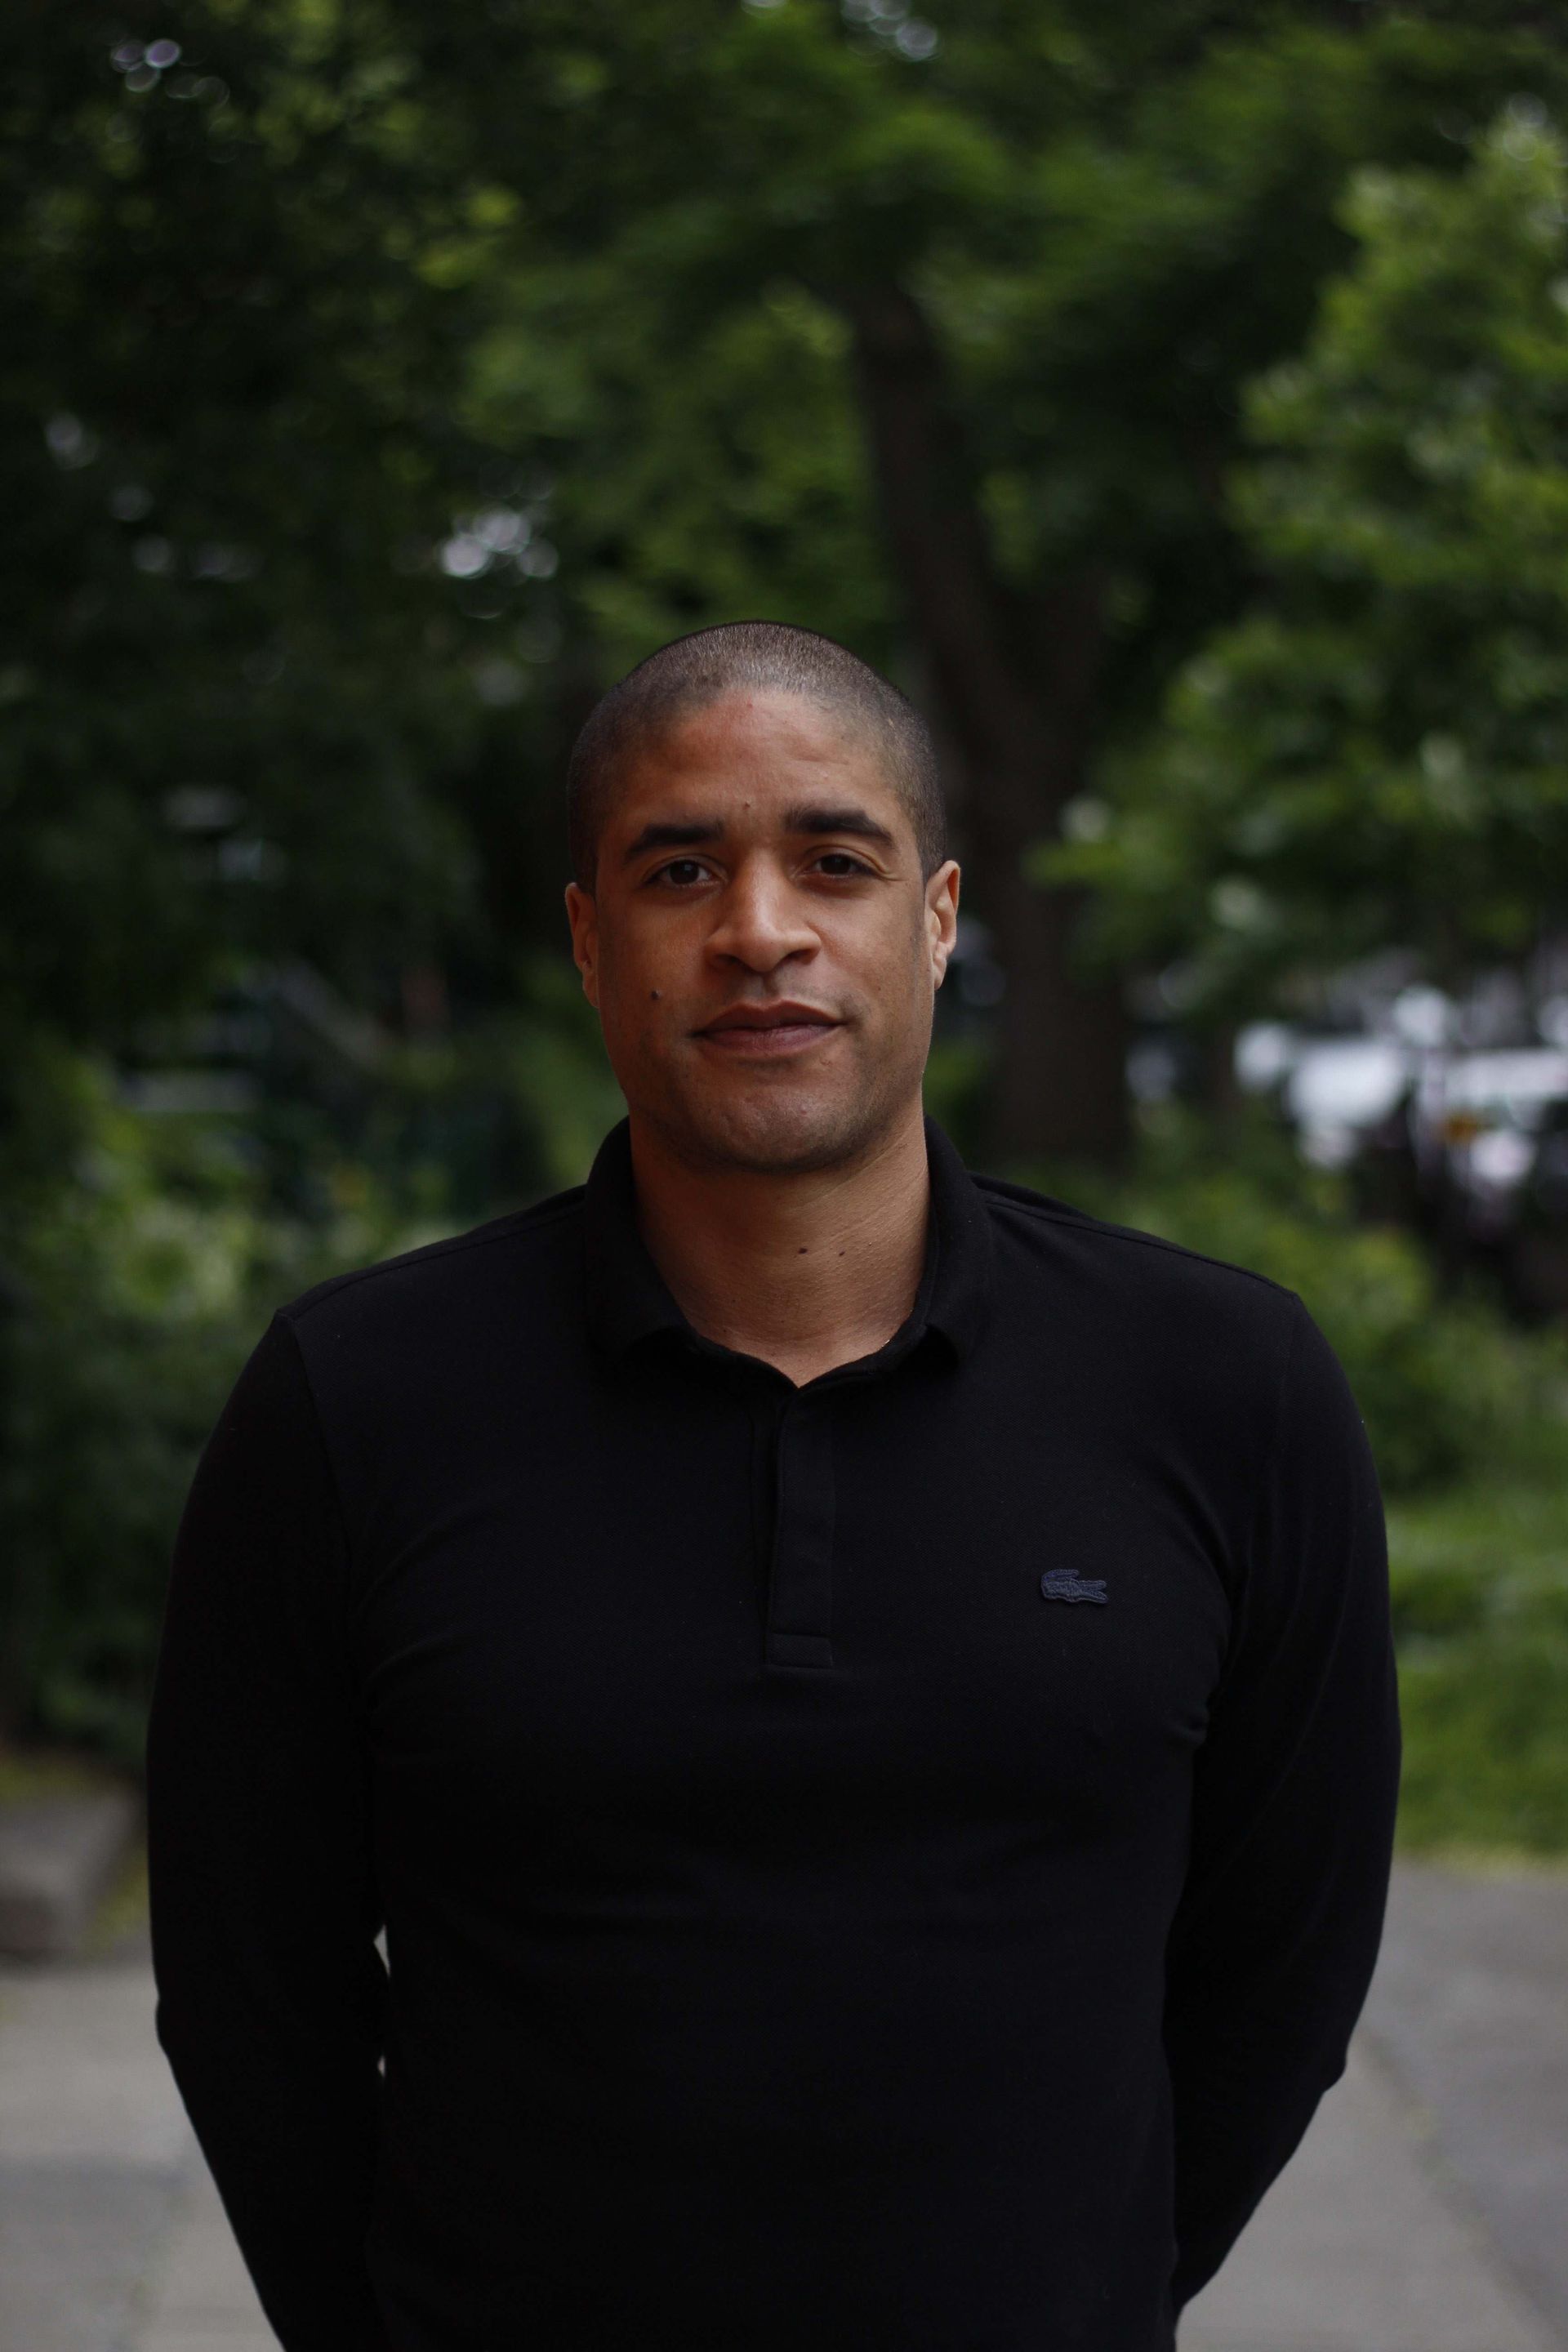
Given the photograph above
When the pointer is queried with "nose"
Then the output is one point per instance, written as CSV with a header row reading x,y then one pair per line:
x,y
759,920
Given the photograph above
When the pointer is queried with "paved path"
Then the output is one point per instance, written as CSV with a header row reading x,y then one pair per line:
x,y
1422,2213
1470,2013
94,2155
1358,2248
1424,2210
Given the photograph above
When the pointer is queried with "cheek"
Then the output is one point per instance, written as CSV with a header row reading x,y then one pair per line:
x,y
896,970
645,953
638,995
622,961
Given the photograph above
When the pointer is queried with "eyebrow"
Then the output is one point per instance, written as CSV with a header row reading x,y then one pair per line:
x,y
807,818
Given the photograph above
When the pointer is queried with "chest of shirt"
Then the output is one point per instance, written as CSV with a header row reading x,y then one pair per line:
x,y
763,1620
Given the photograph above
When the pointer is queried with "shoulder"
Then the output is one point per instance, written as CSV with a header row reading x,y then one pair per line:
x,y
1137,1283
421,1290
1125,1253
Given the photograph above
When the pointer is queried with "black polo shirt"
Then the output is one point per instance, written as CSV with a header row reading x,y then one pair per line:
x,y
890,1862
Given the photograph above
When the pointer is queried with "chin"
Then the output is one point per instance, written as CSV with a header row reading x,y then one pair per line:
x,y
774,1131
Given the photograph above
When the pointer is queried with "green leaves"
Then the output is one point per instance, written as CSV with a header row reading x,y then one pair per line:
x,y
228,474
1378,749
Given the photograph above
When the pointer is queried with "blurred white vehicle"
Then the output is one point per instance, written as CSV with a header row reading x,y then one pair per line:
x,y
1333,1089
1477,1123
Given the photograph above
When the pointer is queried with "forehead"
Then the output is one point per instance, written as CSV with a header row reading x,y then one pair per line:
x,y
754,748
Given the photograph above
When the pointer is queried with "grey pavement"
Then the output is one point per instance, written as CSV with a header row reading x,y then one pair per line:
x,y
1358,2248
1469,2012
94,2153
1424,2212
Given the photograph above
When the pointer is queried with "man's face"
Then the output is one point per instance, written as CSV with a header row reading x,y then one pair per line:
x,y
760,946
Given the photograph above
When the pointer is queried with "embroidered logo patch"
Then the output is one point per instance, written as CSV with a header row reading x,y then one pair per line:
x,y
1066,1584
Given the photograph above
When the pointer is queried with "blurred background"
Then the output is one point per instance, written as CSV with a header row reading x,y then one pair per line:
x,y
1171,396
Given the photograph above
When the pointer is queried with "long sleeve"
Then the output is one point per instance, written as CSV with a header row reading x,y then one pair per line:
x,y
264,1913
1275,1937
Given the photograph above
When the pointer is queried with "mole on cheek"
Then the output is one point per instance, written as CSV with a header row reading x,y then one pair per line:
x,y
654,994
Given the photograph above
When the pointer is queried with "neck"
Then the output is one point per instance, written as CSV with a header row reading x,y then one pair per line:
x,y
805,1270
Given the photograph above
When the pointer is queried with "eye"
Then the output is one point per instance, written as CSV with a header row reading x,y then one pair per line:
x,y
846,867
679,872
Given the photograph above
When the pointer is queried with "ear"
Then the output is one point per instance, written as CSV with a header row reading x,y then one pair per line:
x,y
941,917
583,914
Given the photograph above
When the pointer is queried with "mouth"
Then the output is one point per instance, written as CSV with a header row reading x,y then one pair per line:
x,y
767,1032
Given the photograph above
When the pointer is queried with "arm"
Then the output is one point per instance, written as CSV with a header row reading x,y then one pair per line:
x,y
1274,1940
264,1913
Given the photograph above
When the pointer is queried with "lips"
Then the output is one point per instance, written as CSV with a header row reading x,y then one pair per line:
x,y
769,1016
768,1031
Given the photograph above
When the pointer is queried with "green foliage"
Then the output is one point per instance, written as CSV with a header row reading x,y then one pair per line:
x,y
1480,1582
378,381
552,1062
1111,218
1447,1385
1486,1728
1376,750
1483,1552
727,483
569,300
137,1281
134,1291
233,672
956,1074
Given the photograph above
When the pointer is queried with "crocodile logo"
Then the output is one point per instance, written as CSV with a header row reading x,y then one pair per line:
x,y
1066,1584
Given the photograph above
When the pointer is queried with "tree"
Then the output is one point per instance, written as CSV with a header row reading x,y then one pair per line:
x,y
333,328
241,658
231,661
1378,751
1050,243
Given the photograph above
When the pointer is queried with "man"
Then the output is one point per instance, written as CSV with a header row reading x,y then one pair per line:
x,y
861,1694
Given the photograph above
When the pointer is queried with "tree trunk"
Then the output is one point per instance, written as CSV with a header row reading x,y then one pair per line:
x,y
1016,678
1062,1085
1219,1087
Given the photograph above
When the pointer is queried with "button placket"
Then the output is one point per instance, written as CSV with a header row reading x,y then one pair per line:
x,y
800,1584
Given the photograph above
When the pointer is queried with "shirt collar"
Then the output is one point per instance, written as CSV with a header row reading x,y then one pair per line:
x,y
627,1298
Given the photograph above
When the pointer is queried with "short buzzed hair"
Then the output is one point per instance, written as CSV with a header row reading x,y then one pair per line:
x,y
695,670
